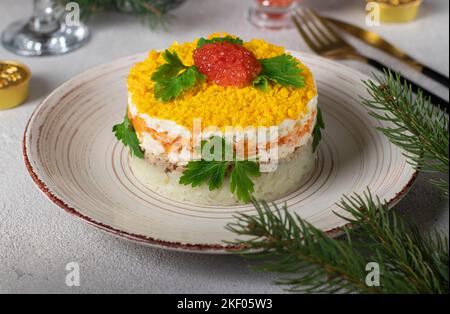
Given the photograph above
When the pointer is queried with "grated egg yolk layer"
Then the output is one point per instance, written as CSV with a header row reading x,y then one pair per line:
x,y
220,106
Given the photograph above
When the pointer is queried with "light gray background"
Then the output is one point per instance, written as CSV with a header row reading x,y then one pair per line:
x,y
37,239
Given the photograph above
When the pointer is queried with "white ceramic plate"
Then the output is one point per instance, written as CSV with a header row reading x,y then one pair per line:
x,y
74,158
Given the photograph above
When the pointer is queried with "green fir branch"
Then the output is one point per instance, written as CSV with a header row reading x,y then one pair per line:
x,y
415,125
285,243
153,12
410,262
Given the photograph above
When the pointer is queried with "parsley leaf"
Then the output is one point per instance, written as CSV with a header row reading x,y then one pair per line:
x,y
213,172
240,183
283,69
173,58
170,88
171,69
203,41
317,132
261,82
201,171
173,78
125,133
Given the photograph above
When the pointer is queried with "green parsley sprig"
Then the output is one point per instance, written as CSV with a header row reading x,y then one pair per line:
x,y
283,70
125,133
241,183
232,40
317,132
173,78
212,172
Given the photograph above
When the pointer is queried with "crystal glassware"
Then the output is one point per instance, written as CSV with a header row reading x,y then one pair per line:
x,y
272,14
46,32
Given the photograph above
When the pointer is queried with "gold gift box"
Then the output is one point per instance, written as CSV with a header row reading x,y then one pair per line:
x,y
14,83
398,11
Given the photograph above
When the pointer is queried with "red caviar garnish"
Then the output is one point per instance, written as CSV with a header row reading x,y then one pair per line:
x,y
227,64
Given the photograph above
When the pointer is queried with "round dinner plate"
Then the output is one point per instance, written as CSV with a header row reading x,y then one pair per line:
x,y
74,158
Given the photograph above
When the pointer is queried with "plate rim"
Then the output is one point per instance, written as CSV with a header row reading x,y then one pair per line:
x,y
150,241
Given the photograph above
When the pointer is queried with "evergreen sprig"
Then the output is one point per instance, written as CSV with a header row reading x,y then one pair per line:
x,y
410,262
415,125
155,12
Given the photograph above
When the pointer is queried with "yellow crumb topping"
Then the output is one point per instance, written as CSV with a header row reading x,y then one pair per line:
x,y
216,105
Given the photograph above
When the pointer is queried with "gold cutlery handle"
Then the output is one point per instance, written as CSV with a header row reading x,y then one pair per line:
x,y
377,41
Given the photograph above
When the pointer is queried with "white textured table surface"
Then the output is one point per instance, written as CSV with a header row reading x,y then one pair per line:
x,y
37,239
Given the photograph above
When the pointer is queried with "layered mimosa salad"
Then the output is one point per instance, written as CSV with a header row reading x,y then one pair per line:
x,y
220,120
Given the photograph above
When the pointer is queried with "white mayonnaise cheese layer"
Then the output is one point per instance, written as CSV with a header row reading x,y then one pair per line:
x,y
183,155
